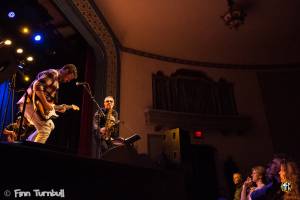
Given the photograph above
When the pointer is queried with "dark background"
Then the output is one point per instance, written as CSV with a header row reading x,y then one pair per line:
x,y
54,51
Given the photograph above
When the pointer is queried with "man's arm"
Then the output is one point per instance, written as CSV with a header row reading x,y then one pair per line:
x,y
61,109
11,135
8,132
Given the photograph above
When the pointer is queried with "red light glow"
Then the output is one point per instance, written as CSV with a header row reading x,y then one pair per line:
x,y
198,134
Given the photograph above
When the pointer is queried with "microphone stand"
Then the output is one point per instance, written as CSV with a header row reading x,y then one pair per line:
x,y
22,116
88,89
98,148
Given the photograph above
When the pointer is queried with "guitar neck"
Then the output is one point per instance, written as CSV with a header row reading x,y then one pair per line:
x,y
58,107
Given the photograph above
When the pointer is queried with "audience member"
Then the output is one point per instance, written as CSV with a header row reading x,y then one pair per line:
x,y
255,183
238,182
272,190
289,177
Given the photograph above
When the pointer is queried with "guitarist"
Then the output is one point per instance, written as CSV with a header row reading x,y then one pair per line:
x,y
43,90
11,131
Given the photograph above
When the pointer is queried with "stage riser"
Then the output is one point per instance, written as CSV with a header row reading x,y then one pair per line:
x,y
29,168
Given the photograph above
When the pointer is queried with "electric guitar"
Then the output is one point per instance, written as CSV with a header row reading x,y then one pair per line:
x,y
51,114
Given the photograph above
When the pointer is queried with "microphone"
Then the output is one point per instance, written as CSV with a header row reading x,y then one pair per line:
x,y
81,83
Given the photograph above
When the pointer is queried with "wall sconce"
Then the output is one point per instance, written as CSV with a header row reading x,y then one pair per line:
x,y
235,16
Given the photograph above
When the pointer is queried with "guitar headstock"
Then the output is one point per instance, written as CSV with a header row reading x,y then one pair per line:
x,y
74,107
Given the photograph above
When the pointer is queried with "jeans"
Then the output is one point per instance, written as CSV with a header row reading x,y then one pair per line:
x,y
43,127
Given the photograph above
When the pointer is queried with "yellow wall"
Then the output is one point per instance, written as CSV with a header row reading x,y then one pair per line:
x,y
251,148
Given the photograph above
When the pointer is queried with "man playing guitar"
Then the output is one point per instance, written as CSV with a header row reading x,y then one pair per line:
x,y
12,130
40,101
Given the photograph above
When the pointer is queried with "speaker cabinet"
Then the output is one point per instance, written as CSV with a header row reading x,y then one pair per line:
x,y
176,144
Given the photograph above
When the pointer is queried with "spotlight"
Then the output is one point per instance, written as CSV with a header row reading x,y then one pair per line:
x,y
7,42
19,50
20,66
25,30
11,14
26,78
38,37
29,58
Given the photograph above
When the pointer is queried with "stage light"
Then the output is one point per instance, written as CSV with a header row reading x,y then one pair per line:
x,y
20,66
25,30
11,14
19,50
38,37
26,78
7,42
29,58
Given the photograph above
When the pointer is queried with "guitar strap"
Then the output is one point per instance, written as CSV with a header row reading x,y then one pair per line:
x,y
33,95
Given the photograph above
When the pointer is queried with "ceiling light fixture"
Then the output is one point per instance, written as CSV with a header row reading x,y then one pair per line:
x,y
25,30
29,58
235,15
19,50
11,14
7,42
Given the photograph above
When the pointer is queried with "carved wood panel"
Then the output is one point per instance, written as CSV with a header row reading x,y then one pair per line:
x,y
193,92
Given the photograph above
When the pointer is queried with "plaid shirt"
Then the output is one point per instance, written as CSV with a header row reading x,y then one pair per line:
x,y
46,81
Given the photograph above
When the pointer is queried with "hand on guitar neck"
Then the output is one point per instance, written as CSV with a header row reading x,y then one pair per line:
x,y
50,114
63,107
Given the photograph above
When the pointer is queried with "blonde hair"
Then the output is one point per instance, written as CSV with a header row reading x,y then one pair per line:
x,y
261,171
238,175
292,176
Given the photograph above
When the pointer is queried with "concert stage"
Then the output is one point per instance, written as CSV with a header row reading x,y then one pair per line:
x,y
32,167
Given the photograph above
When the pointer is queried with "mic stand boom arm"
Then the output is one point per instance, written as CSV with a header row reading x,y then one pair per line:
x,y
88,89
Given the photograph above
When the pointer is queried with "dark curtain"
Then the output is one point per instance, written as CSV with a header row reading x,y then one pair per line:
x,y
85,138
6,112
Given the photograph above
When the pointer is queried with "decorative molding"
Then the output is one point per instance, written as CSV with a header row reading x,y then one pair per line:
x,y
258,67
93,20
222,123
